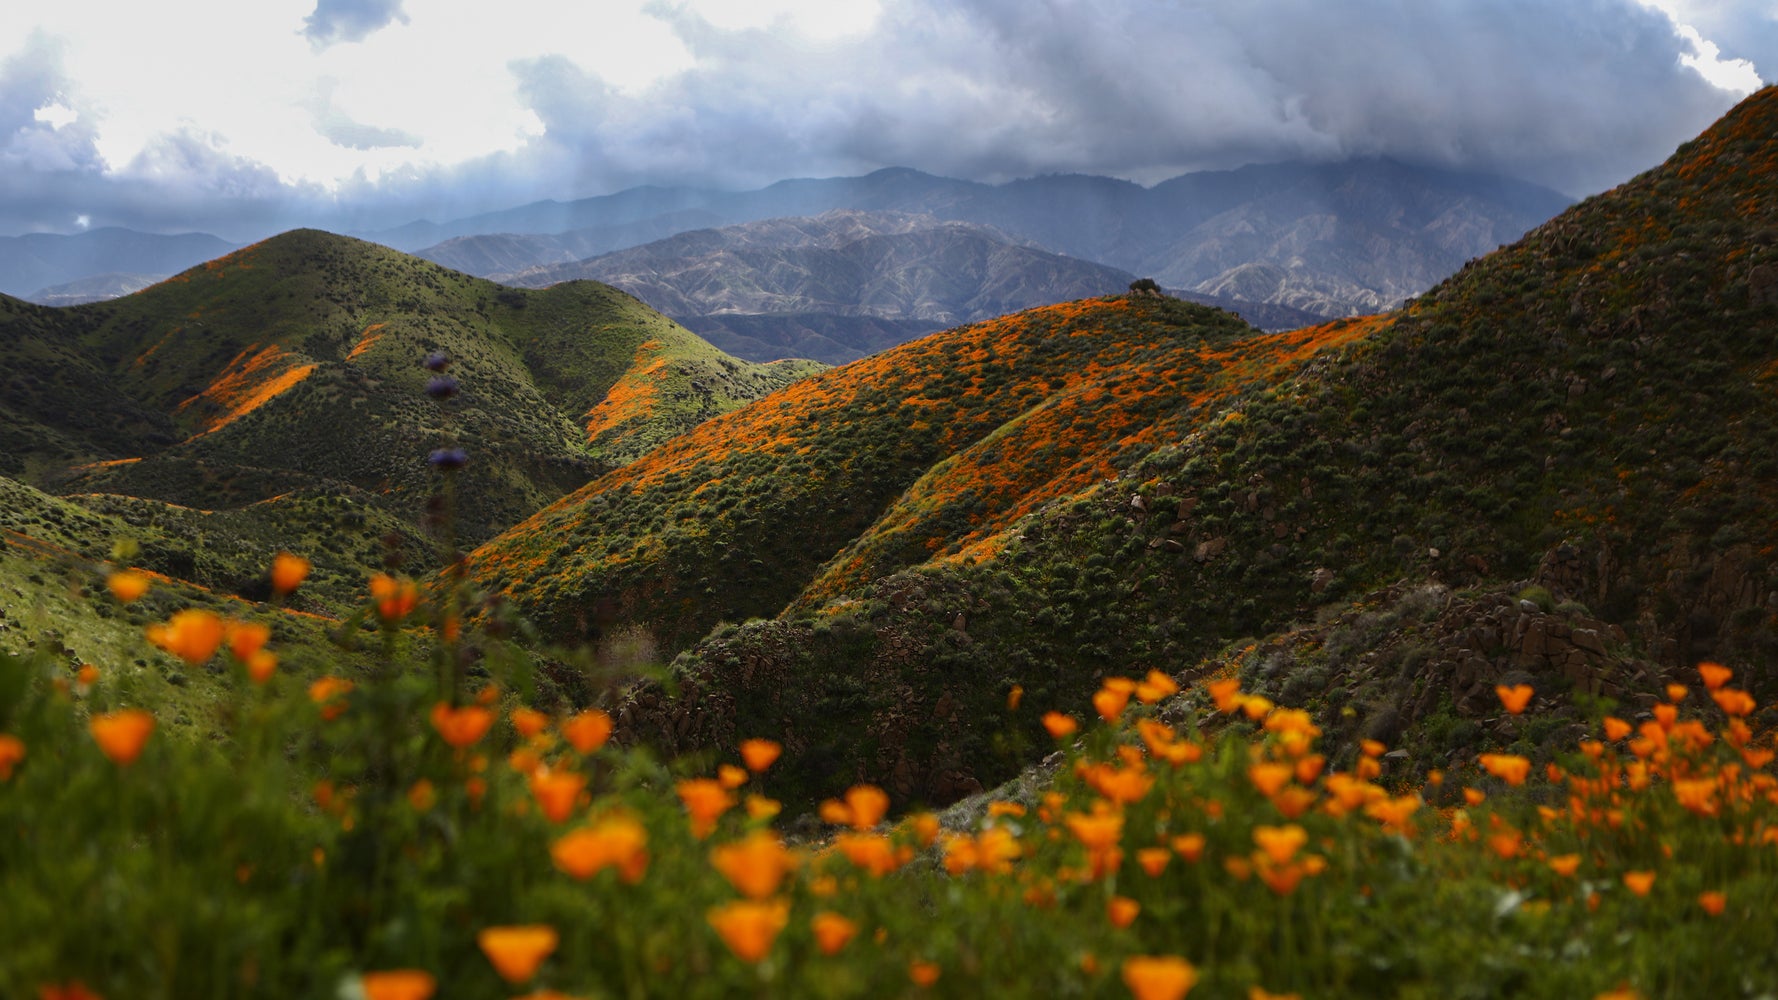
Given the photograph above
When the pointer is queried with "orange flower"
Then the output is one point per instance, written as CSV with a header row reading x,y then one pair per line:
x,y
1639,882
398,984
1060,726
329,693
528,722
755,865
1676,693
1509,768
1154,687
731,777
866,805
1565,865
1372,748
516,952
923,974
1514,698
615,841
1280,843
871,852
705,801
247,638
128,585
422,796
395,599
587,731
1154,860
1189,846
461,727
121,735
1616,728
288,572
1122,911
749,926
1269,776
1715,675
1713,902
1734,702
12,750
1163,977
556,792
832,931
1226,693
1014,696
261,665
759,754
193,635
75,990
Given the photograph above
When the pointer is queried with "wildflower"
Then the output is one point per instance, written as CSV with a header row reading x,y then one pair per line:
x,y
528,722
1109,702
1189,846
12,750
1014,696
1226,693
246,638
398,984
329,694
616,841
288,572
516,952
422,796
1713,902
1515,698
1733,702
127,585
1164,977
1639,882
869,851
1258,993
749,927
759,754
866,806
1256,707
1509,768
923,974
705,801
121,735
759,807
1060,726
461,727
261,665
75,990
1565,865
1269,776
1122,911
395,599
1154,860
1715,675
193,635
1616,728
832,931
1677,693
731,777
754,865
1280,843
587,731
556,792
1372,748
1474,796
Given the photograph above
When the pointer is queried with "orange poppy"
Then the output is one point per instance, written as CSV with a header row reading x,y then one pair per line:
x,y
288,572
121,735
749,926
516,952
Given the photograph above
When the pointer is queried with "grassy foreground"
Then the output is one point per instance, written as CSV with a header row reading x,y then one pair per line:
x,y
415,831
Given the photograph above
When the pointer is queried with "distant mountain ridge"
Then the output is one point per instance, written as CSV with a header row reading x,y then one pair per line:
x,y
1334,239
42,260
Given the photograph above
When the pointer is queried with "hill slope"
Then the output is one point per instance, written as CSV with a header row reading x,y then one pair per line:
x,y
1604,389
295,365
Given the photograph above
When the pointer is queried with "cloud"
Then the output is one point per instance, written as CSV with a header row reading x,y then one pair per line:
x,y
340,129
337,21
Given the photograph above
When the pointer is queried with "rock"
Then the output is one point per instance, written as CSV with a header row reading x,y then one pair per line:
x,y
1210,548
1320,579
1138,503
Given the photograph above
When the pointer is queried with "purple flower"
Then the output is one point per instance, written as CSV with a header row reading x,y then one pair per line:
x,y
441,387
437,361
448,459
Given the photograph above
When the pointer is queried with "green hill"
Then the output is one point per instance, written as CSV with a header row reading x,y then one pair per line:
x,y
294,368
1589,410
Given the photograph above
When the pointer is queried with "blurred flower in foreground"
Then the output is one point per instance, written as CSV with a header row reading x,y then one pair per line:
x,y
121,735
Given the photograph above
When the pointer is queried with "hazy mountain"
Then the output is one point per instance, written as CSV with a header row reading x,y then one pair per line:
x,y
1566,443
97,288
1336,239
42,260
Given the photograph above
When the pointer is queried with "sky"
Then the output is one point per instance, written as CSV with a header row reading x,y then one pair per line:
x,y
246,117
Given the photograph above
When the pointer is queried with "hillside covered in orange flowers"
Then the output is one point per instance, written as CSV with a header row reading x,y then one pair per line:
x,y
1577,425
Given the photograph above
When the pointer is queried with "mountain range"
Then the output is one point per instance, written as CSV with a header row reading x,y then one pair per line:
x,y
1553,467
35,264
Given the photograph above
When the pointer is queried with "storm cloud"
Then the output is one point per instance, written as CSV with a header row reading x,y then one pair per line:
x,y
1578,95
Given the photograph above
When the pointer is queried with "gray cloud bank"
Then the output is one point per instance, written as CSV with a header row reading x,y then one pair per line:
x,y
1578,95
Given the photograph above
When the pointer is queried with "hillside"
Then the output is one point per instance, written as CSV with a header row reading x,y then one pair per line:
x,y
293,367
1115,485
1336,239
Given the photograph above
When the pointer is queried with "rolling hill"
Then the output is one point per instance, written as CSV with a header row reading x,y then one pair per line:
x,y
1103,487
292,369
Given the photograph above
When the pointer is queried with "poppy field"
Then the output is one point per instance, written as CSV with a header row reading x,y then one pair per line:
x,y
416,829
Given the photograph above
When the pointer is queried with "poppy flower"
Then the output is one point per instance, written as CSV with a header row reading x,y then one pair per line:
x,y
193,635
128,585
832,931
1059,726
1122,911
1514,698
749,926
759,754
1713,902
1639,882
587,731
398,984
755,865
1715,675
1280,843
705,801
516,952
615,841
246,638
461,727
121,735
1510,768
395,599
556,792
329,693
923,974
1164,977
288,572
12,750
